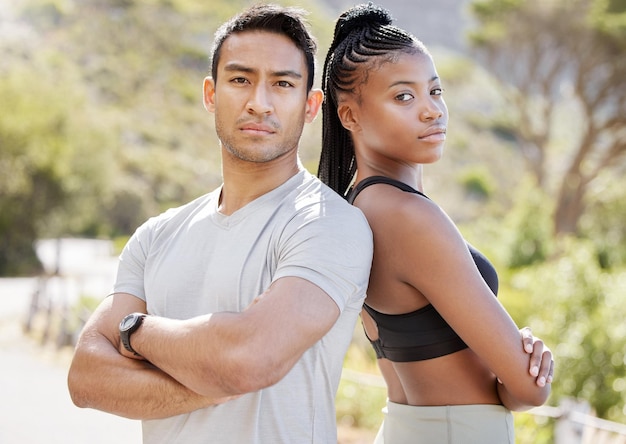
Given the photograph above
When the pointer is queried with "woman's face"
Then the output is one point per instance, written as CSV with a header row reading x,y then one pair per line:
x,y
399,114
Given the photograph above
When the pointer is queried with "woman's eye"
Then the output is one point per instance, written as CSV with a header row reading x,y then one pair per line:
x,y
404,97
436,92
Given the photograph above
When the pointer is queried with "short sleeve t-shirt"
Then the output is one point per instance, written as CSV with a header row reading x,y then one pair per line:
x,y
193,260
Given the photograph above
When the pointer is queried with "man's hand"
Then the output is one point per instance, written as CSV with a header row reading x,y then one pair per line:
x,y
126,353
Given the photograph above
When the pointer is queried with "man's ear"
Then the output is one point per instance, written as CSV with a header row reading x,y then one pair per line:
x,y
313,103
348,116
208,89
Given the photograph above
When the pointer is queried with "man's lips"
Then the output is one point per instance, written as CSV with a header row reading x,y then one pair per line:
x,y
258,128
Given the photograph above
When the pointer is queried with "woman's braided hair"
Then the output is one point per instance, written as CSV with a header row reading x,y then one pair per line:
x,y
362,33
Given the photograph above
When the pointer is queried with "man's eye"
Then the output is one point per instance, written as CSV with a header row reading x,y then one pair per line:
x,y
284,84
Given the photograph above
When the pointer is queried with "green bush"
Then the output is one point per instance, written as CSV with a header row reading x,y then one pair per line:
x,y
578,308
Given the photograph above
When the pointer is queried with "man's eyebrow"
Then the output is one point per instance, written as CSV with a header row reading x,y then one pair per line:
x,y
287,73
236,67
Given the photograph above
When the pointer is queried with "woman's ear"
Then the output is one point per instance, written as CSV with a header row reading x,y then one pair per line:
x,y
348,116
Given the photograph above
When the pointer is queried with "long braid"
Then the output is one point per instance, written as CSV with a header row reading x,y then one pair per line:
x,y
362,33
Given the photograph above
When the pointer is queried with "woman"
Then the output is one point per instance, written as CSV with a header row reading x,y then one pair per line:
x,y
448,350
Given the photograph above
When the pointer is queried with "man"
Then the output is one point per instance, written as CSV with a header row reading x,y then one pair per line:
x,y
251,291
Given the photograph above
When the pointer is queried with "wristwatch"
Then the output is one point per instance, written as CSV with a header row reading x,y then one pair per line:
x,y
128,326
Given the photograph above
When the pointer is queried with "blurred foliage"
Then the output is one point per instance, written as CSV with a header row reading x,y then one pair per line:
x,y
603,224
533,429
577,307
477,182
530,233
360,400
559,61
51,164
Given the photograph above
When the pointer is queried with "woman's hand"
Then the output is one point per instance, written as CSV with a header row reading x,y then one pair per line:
x,y
541,360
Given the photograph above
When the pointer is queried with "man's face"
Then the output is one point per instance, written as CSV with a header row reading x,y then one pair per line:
x,y
260,98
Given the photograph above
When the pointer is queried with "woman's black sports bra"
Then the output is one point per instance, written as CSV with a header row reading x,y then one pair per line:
x,y
422,334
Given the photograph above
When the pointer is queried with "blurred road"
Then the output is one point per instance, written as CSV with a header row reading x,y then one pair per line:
x,y
35,407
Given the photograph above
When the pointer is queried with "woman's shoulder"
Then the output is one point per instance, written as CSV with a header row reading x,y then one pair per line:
x,y
392,205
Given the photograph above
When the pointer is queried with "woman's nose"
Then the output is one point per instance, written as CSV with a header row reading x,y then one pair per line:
x,y
431,111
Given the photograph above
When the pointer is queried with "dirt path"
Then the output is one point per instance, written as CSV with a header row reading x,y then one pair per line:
x,y
35,406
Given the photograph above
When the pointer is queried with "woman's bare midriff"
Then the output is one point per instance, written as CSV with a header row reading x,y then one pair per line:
x,y
460,378
456,379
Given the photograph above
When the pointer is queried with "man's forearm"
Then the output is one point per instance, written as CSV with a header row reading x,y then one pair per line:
x,y
226,354
215,364
103,379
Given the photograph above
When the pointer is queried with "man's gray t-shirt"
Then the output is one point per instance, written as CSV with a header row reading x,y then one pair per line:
x,y
193,260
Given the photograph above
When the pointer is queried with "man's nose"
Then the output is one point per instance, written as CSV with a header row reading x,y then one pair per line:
x,y
260,101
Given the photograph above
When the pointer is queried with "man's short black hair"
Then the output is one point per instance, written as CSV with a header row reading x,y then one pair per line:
x,y
287,21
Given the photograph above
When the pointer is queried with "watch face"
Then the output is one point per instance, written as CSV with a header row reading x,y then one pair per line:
x,y
128,321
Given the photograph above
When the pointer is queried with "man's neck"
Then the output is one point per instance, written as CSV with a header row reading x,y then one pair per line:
x,y
248,181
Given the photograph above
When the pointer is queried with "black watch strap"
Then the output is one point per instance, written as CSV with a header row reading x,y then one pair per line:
x,y
128,326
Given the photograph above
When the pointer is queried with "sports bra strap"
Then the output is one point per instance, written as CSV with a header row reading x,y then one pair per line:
x,y
372,180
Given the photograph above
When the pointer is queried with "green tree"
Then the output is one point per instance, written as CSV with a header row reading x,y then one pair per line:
x,y
50,166
577,307
604,223
563,67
